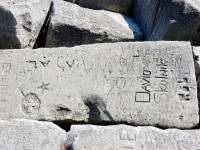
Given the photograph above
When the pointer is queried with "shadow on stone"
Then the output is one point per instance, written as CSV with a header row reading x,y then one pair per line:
x,y
66,145
69,36
97,108
198,30
41,39
8,38
132,25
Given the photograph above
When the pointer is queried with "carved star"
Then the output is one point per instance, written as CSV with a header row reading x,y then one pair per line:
x,y
44,87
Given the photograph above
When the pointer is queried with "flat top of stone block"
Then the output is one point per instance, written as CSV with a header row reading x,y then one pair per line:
x,y
18,2
122,137
31,135
142,83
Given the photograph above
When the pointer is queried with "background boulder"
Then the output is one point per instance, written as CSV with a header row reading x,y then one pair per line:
x,y
168,19
72,25
119,6
21,22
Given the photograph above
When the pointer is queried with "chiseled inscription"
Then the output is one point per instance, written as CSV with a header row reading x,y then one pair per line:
x,y
5,79
144,96
161,93
30,103
138,83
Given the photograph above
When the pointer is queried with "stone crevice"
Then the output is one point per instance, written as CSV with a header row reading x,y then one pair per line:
x,y
41,39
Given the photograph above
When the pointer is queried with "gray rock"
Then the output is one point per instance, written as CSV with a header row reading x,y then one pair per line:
x,y
177,20
21,22
196,52
72,25
30,135
119,6
142,83
122,137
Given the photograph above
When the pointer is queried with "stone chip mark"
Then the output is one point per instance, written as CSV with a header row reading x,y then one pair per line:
x,y
62,111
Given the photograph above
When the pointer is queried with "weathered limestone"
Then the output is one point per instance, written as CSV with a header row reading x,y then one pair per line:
x,y
30,135
72,25
119,6
177,20
21,22
122,137
34,135
142,83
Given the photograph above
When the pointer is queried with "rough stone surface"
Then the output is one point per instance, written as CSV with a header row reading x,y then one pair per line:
x,y
30,135
72,25
177,20
196,52
142,83
123,137
119,6
21,22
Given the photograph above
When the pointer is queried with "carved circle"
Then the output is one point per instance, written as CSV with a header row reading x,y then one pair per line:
x,y
30,104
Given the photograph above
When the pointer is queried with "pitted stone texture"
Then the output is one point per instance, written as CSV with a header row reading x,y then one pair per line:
x,y
21,22
30,135
122,137
177,20
119,6
196,51
71,25
142,83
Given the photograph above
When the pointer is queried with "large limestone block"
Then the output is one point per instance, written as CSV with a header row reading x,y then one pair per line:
x,y
177,20
21,22
72,25
142,83
122,137
119,6
30,135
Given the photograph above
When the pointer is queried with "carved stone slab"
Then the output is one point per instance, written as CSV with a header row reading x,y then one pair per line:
x,y
30,135
21,22
142,83
122,137
119,6
72,25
